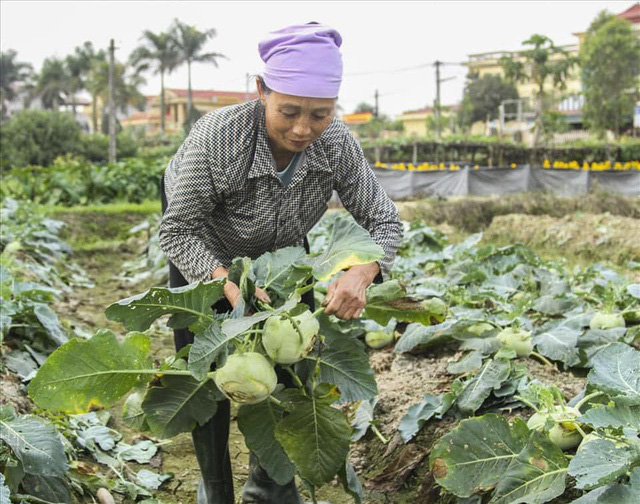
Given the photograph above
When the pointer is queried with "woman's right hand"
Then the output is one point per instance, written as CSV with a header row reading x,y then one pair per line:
x,y
232,291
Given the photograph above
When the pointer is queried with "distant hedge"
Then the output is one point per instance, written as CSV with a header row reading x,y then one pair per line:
x,y
74,181
487,151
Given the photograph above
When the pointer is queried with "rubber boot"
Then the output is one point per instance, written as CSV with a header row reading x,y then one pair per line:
x,y
261,489
211,444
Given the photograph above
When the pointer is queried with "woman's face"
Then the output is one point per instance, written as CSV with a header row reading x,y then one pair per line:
x,y
293,122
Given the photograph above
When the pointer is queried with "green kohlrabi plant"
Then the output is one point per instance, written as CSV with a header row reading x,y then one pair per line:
x,y
291,430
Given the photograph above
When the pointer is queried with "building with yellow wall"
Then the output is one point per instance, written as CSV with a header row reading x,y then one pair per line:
x,y
568,101
416,122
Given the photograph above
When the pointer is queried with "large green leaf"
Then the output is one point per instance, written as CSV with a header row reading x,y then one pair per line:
x,y
316,437
491,376
613,416
49,320
205,349
559,344
473,457
258,423
349,245
132,414
5,493
35,444
179,404
190,306
535,476
234,326
363,419
281,271
388,300
47,488
422,412
351,482
599,462
344,363
83,374
614,494
616,371
420,336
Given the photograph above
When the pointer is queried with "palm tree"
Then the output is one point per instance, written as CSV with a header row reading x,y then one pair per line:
x,y
54,83
12,72
190,43
79,66
125,86
159,53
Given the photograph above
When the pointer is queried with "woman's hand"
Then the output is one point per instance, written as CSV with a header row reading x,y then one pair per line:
x,y
346,297
232,291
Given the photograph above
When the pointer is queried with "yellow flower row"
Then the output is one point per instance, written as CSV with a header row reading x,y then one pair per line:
x,y
419,167
603,166
562,165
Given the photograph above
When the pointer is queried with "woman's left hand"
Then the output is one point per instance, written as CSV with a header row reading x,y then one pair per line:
x,y
346,297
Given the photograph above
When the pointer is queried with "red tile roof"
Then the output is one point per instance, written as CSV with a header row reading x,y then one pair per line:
x,y
632,13
208,94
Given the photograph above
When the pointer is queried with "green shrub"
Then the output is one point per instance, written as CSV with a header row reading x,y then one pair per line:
x,y
37,137
95,148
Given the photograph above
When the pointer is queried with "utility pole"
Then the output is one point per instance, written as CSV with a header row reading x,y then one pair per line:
x,y
246,86
112,105
437,103
376,110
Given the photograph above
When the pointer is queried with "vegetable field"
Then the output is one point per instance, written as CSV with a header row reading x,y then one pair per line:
x,y
499,363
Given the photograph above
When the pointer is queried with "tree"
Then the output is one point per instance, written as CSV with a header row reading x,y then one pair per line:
x,y
190,42
160,54
12,73
364,107
53,83
544,63
610,66
482,98
125,86
79,66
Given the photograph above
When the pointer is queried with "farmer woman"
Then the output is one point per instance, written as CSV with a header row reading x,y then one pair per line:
x,y
256,177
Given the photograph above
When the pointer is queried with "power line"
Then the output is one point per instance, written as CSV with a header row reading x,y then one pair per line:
x,y
405,69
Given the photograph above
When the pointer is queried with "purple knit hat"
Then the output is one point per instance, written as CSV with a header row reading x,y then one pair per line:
x,y
303,60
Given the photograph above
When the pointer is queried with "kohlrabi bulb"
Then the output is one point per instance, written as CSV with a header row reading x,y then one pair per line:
x,y
606,321
378,339
283,343
246,378
517,340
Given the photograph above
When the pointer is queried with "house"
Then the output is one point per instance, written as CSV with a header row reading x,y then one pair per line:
x,y
419,123
176,103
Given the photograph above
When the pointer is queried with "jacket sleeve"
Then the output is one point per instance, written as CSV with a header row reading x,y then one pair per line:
x,y
191,200
365,199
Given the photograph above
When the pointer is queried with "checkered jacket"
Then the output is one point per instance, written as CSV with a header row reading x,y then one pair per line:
x,y
225,199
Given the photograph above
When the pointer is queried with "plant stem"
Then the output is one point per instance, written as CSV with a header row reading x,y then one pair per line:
x,y
295,324
266,306
295,377
379,434
524,401
587,398
541,358
579,429
274,400
318,311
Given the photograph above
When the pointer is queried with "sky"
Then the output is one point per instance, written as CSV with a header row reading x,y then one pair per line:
x,y
388,46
